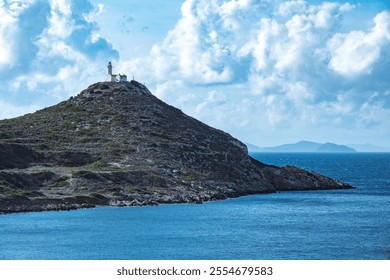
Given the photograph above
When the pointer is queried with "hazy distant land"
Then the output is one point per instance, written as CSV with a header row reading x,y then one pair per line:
x,y
314,147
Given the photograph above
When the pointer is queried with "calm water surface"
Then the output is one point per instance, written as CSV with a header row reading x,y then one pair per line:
x,y
345,224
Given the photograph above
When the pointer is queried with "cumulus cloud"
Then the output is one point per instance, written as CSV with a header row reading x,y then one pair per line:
x,y
9,13
294,66
201,48
357,52
195,50
49,49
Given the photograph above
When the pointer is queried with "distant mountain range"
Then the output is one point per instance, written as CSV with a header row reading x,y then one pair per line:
x,y
304,147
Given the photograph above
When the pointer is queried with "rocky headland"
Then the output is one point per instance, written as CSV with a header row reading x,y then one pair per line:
x,y
117,144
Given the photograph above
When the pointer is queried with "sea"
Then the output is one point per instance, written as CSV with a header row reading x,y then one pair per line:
x,y
349,224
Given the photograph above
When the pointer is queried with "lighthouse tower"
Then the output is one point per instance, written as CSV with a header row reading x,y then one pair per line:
x,y
109,68
110,77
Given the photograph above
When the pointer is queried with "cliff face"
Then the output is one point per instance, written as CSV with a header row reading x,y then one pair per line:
x,y
117,144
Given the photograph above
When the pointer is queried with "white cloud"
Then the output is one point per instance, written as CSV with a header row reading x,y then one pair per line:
x,y
61,23
230,10
98,10
289,8
192,49
61,6
49,49
8,22
357,52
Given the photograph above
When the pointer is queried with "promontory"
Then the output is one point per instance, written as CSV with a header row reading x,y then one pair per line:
x,y
117,144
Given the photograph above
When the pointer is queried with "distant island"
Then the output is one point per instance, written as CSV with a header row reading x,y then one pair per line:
x,y
304,147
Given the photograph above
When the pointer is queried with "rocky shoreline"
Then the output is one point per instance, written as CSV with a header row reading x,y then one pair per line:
x,y
305,183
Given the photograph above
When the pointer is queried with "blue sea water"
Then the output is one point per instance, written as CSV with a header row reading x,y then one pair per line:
x,y
337,224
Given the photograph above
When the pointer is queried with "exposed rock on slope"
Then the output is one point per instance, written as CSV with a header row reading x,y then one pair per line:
x,y
117,144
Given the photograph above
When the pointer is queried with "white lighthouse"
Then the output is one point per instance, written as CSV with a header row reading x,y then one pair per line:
x,y
109,68
114,77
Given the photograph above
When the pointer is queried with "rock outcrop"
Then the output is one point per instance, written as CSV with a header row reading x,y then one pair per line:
x,y
117,144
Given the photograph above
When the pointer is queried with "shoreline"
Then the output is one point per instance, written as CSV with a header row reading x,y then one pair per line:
x,y
66,206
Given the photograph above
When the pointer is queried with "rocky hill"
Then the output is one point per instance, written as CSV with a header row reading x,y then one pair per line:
x,y
117,144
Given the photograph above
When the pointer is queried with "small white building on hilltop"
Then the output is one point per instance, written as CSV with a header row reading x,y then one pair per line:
x,y
115,77
122,78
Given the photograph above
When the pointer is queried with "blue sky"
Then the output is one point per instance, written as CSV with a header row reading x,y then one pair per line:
x,y
268,72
